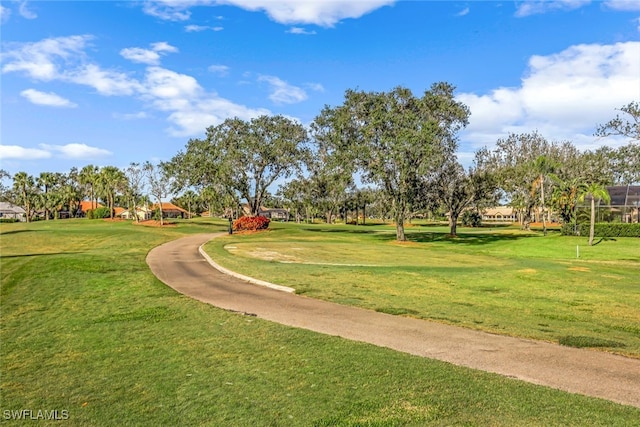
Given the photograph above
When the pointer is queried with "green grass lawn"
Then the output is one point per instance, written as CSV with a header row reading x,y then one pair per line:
x,y
501,280
86,328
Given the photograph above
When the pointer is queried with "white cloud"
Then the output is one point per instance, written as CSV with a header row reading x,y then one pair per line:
x,y
189,108
131,116
198,28
282,92
221,70
463,12
25,12
534,7
298,30
42,60
143,56
163,47
5,13
315,86
146,56
564,96
322,13
195,117
76,151
50,99
624,5
165,84
17,152
106,82
173,10
195,28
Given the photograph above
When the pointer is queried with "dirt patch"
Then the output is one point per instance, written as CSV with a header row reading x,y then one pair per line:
x,y
539,224
579,269
405,243
155,223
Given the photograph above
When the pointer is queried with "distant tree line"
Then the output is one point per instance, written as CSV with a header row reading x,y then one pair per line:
x,y
384,154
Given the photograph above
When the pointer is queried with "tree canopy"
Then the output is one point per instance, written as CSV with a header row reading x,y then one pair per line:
x,y
396,139
246,157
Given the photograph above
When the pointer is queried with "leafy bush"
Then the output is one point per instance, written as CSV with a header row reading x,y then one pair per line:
x,y
602,229
471,219
251,223
98,213
9,220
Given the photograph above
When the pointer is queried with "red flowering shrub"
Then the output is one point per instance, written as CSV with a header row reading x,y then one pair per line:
x,y
251,223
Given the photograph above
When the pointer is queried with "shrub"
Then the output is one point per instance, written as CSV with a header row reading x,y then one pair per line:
x,y
603,229
251,223
98,213
10,220
471,219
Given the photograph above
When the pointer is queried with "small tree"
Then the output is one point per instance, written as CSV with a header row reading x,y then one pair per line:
x,y
135,174
160,184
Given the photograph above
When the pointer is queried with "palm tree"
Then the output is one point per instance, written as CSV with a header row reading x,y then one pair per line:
x,y
47,180
25,189
88,176
110,181
594,191
565,198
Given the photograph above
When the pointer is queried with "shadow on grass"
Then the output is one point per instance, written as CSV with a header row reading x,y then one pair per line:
x,y
424,236
460,239
19,231
41,254
342,230
604,239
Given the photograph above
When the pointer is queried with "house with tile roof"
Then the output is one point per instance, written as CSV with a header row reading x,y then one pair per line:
x,y
169,210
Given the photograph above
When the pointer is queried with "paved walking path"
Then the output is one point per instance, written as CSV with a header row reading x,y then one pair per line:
x,y
180,265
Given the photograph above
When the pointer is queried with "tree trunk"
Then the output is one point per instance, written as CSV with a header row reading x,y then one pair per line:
x,y
399,218
453,224
364,214
592,225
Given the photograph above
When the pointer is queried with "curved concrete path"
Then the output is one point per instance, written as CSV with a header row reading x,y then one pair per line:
x,y
593,373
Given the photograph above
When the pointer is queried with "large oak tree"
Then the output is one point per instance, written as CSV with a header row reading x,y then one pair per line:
x,y
396,139
245,157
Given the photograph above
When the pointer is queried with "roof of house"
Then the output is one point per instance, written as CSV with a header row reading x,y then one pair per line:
x,y
85,205
498,210
118,211
166,206
10,207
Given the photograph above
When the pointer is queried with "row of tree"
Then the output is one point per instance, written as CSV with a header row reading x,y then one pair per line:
x,y
391,151
401,147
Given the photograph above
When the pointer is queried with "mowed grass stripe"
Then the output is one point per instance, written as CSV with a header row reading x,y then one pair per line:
x,y
88,329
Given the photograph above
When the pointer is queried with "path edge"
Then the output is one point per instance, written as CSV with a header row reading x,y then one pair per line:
x,y
241,276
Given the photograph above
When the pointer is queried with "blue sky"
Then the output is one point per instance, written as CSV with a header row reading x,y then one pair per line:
x,y
114,82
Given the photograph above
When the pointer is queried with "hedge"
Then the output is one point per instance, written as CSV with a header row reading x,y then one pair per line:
x,y
98,213
251,223
603,229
